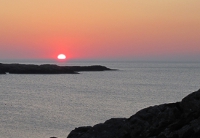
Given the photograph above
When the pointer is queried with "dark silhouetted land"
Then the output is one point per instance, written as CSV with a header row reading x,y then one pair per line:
x,y
173,120
47,69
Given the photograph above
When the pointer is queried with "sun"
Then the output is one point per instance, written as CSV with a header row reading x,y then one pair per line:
x,y
61,56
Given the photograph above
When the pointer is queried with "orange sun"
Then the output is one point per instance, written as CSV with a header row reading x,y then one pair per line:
x,y
61,56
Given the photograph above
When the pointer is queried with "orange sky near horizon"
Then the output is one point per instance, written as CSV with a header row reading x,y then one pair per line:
x,y
99,29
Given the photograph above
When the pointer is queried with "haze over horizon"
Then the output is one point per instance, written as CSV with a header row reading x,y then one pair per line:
x,y
138,30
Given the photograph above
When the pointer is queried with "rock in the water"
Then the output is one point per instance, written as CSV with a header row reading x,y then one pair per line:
x,y
1,69
173,120
47,69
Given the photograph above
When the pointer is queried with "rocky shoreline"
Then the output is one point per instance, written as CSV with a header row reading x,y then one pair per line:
x,y
172,120
47,69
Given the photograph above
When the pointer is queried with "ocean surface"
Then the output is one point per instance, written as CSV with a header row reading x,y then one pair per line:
x,y
43,106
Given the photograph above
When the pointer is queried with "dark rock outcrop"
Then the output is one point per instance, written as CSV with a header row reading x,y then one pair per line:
x,y
47,69
89,68
173,120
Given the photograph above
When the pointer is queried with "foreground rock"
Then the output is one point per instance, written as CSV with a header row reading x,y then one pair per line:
x,y
173,120
47,69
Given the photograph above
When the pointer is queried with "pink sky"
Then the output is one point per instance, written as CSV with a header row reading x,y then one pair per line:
x,y
99,29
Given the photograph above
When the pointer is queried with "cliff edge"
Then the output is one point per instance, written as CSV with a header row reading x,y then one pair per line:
x,y
172,120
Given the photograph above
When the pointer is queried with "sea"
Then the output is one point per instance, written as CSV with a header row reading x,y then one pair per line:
x,y
44,106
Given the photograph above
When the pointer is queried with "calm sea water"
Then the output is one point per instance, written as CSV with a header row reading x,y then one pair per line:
x,y
41,106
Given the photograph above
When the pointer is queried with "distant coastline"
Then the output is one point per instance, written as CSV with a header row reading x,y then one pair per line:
x,y
16,68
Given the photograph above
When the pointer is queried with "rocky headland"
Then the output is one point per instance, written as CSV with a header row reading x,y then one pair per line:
x,y
172,120
47,69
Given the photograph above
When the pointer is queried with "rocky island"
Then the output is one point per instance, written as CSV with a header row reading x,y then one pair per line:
x,y
47,69
172,120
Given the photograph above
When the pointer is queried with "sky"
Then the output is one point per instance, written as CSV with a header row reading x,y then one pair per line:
x,y
105,29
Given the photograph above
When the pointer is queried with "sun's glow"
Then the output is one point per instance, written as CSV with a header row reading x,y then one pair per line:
x,y
61,56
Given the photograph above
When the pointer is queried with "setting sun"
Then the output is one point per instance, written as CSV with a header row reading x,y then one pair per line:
x,y
61,56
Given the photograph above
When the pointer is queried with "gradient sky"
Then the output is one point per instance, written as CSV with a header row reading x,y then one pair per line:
x,y
32,29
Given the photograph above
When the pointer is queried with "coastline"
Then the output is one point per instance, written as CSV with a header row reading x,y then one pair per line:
x,y
16,68
172,120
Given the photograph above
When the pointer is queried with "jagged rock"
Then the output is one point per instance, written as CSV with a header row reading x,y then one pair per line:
x,y
173,120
